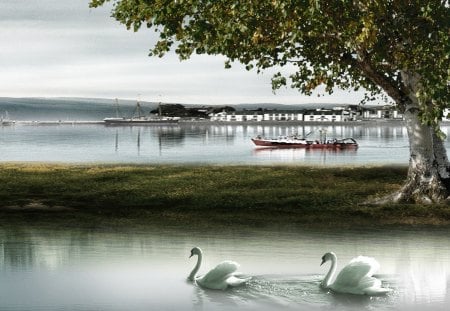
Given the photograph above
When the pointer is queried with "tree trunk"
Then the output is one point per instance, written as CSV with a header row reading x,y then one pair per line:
x,y
428,179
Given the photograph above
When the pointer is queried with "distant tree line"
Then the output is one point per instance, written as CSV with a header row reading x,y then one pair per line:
x,y
178,110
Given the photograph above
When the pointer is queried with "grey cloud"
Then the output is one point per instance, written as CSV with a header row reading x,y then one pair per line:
x,y
50,11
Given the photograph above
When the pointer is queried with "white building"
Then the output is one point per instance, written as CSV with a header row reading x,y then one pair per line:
x,y
339,114
237,116
381,113
258,116
446,115
334,114
283,116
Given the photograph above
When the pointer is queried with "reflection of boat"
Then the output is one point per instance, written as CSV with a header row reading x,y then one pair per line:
x,y
139,118
297,142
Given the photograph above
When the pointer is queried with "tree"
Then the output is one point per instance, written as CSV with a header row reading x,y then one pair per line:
x,y
399,48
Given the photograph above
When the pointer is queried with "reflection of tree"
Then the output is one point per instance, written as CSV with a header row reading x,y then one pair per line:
x,y
24,248
165,136
169,136
31,248
18,250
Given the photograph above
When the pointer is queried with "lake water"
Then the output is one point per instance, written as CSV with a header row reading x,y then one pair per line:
x,y
198,144
75,269
44,268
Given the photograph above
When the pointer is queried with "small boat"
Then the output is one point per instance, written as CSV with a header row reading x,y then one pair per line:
x,y
5,120
297,142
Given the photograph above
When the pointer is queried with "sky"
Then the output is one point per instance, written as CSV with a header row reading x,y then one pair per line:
x,y
62,48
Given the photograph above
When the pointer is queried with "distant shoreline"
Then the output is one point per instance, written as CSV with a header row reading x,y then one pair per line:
x,y
207,122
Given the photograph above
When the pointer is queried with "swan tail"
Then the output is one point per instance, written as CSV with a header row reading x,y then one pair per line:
x,y
372,286
374,291
235,281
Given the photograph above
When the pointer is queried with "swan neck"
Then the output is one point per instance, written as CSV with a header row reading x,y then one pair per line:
x,y
327,280
196,268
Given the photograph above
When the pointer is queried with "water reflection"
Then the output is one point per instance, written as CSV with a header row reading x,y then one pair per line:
x,y
302,154
141,270
199,144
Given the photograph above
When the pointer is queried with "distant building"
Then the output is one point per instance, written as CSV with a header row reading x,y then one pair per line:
x,y
335,114
381,113
446,115
240,116
289,115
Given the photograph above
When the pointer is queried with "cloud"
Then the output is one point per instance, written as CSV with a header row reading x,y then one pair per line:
x,y
63,48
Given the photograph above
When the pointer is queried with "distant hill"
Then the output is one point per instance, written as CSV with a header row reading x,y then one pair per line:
x,y
93,109
50,109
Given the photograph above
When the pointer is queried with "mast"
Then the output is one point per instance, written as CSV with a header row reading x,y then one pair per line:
x,y
138,111
116,107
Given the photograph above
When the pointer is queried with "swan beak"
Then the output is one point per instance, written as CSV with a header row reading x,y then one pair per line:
x,y
323,261
191,255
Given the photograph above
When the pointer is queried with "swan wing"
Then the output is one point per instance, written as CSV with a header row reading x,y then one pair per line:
x,y
220,273
359,270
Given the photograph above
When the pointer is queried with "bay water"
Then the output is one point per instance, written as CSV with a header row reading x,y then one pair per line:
x,y
380,144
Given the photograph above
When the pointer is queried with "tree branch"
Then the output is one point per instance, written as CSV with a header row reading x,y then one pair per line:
x,y
394,90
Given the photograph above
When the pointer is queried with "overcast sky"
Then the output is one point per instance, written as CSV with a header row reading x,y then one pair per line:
x,y
61,48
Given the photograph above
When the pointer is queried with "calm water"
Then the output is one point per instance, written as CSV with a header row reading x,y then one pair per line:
x,y
81,269
43,269
211,144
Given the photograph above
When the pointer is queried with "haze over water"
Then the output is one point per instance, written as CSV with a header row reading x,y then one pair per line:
x,y
381,144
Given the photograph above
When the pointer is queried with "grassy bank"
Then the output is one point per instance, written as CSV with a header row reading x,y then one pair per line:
x,y
208,194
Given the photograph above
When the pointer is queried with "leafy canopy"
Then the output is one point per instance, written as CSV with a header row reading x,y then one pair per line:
x,y
336,43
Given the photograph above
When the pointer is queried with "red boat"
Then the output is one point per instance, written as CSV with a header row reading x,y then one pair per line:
x,y
296,142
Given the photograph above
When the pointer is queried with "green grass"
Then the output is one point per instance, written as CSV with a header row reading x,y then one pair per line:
x,y
209,194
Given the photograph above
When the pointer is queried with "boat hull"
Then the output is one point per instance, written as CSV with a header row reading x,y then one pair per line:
x,y
348,143
279,143
114,121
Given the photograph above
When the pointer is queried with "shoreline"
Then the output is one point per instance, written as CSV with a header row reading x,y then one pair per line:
x,y
207,122
207,196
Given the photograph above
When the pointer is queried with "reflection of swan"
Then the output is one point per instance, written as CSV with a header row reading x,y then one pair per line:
x,y
222,276
354,278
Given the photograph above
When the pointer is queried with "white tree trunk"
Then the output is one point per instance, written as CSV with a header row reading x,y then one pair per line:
x,y
428,178
424,183
428,165
441,157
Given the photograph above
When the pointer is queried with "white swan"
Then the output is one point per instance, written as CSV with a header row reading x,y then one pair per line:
x,y
222,276
354,278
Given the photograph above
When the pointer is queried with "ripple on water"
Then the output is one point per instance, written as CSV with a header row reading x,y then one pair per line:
x,y
271,292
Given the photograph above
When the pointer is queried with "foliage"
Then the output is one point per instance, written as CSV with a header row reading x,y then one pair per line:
x,y
178,110
340,43
227,109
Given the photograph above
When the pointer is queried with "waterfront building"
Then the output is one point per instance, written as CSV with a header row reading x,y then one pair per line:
x,y
446,115
344,113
